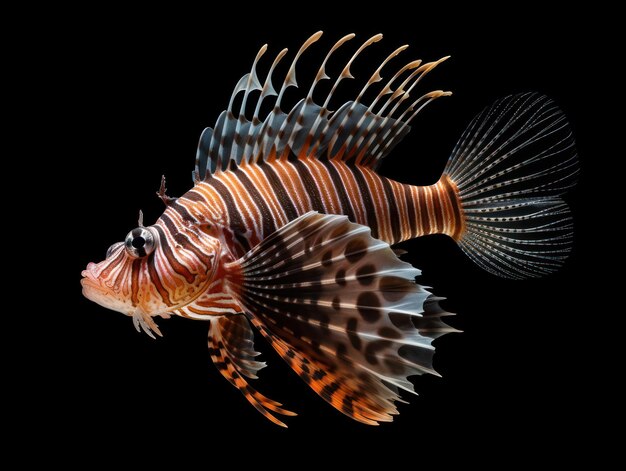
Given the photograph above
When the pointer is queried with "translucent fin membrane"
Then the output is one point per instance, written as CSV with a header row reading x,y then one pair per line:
x,y
510,166
360,131
343,311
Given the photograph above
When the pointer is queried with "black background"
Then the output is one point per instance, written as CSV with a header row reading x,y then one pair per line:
x,y
136,91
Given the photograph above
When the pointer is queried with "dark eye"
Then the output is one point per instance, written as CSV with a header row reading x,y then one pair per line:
x,y
139,242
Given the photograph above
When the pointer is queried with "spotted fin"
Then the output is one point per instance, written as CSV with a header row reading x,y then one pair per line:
x,y
358,131
231,345
342,310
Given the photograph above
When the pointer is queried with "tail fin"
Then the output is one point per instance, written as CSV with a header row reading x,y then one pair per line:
x,y
509,167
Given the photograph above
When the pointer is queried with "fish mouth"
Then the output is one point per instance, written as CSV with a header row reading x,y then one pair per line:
x,y
91,289
89,281
95,291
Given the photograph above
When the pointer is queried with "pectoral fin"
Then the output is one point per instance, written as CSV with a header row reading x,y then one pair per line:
x,y
342,310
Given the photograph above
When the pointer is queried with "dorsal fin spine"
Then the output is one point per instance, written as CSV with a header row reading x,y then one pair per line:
x,y
387,88
220,149
295,128
290,78
268,88
216,147
321,75
269,91
406,93
345,73
241,86
399,92
254,137
360,133
401,124
375,78
252,84
425,69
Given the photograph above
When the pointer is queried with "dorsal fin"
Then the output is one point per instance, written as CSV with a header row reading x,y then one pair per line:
x,y
357,132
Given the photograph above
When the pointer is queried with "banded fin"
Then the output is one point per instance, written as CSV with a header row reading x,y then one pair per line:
x,y
231,346
510,167
359,132
342,310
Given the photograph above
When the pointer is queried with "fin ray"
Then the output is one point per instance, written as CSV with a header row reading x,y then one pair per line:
x,y
510,167
308,129
231,346
342,310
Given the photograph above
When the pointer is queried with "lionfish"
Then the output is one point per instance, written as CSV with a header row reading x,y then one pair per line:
x,y
288,229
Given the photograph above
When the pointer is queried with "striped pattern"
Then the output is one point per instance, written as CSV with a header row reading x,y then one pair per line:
x,y
361,131
231,346
258,199
237,209
180,277
332,299
253,176
342,310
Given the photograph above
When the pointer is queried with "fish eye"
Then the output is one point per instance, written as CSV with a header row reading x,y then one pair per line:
x,y
139,242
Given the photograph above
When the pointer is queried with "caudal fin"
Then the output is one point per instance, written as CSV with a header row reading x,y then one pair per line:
x,y
510,167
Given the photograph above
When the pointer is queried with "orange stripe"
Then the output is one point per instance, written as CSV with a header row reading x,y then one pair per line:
x,y
457,218
248,211
205,202
352,189
424,226
329,196
381,206
397,209
263,186
294,185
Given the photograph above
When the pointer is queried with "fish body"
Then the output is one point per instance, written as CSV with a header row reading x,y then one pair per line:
x,y
288,229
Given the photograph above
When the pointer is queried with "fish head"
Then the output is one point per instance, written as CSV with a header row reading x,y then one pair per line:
x,y
153,272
